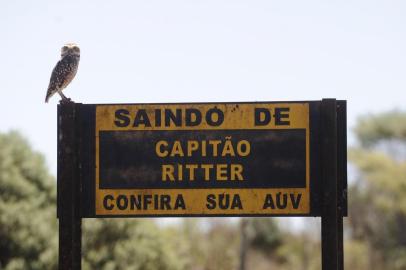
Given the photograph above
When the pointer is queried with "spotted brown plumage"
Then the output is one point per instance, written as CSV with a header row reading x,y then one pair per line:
x,y
64,71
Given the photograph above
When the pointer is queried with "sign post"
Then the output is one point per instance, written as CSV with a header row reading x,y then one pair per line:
x,y
329,218
69,188
202,159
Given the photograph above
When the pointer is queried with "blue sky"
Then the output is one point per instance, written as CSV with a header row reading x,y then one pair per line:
x,y
195,51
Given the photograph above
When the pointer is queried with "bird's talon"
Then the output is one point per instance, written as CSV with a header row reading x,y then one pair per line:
x,y
66,101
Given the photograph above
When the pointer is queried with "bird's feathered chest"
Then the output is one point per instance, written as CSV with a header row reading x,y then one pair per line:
x,y
66,70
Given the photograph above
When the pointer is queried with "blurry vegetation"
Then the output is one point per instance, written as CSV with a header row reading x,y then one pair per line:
x,y
378,198
374,231
27,207
127,244
374,129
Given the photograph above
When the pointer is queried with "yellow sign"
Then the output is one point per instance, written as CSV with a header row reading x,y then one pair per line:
x,y
202,159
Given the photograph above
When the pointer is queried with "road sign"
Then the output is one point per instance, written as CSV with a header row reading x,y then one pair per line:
x,y
200,159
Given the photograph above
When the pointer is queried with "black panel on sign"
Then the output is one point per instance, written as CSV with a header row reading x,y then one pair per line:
x,y
277,159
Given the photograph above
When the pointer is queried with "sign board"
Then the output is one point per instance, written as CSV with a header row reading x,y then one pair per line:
x,y
200,159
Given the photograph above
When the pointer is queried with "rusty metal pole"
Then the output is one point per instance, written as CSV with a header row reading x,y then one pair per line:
x,y
329,215
69,188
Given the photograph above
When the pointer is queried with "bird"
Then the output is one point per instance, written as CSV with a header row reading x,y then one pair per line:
x,y
64,71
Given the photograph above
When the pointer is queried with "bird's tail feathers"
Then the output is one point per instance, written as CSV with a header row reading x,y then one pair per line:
x,y
50,93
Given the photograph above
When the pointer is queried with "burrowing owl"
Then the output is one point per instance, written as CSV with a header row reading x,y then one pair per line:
x,y
64,71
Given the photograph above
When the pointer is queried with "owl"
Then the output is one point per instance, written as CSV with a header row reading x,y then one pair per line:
x,y
64,71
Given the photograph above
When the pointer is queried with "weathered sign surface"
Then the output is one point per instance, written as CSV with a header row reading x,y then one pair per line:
x,y
202,159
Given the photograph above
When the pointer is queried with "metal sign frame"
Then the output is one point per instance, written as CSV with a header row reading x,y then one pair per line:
x,y
76,155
